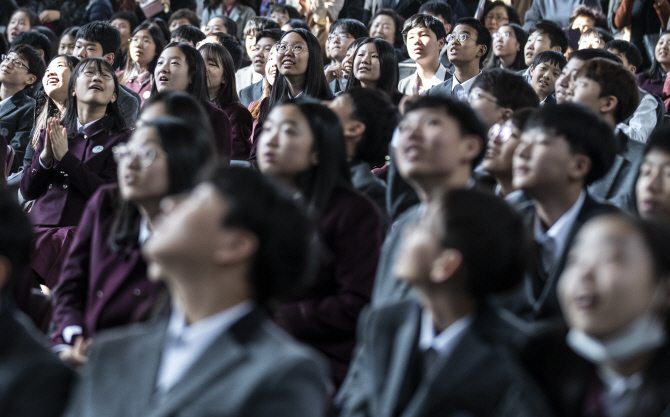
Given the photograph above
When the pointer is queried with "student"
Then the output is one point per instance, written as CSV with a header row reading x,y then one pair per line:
x,y
468,45
610,91
73,159
425,37
653,79
125,22
547,67
34,382
222,93
226,252
216,24
180,67
183,17
187,33
595,38
239,12
584,18
302,146
247,75
280,14
575,62
146,45
508,44
104,282
265,43
227,41
387,25
427,357
563,149
66,41
101,40
443,12
496,14
340,35
491,99
652,188
20,68
375,66
543,36
22,20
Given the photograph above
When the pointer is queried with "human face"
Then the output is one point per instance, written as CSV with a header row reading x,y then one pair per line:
x,y
420,249
495,18
423,45
250,42
505,43
486,106
542,162
586,92
123,26
590,42
139,183
623,59
366,65
583,23
288,62
431,148
503,141
653,185
285,147
171,72
66,45
466,51
383,27
56,79
214,74
261,53
142,48
338,46
543,78
565,81
178,23
662,51
215,24
11,75
271,67
280,17
20,22
348,62
91,87
84,49
537,42
608,281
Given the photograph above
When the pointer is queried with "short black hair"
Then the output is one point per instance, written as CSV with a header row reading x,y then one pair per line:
x,y
190,15
274,34
587,54
231,26
628,49
16,238
468,121
658,140
557,36
438,8
129,17
599,18
512,15
600,33
162,25
499,82
474,223
586,133
54,40
33,18
283,262
483,35
36,65
552,57
398,21
297,24
424,21
37,41
232,44
188,32
258,23
103,33
351,26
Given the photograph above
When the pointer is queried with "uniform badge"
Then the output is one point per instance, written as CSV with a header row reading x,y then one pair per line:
x,y
97,149
146,95
4,131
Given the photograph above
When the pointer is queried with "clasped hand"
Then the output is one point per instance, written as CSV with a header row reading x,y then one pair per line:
x,y
55,142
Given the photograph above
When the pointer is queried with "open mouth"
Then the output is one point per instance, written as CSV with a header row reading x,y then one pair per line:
x,y
52,81
163,78
97,87
287,62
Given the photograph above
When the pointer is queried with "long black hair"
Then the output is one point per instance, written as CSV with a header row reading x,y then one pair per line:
x,y
388,66
196,71
519,61
316,85
132,68
227,94
114,122
656,70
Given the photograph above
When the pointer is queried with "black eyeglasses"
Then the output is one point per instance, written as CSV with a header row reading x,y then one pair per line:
x,y
15,62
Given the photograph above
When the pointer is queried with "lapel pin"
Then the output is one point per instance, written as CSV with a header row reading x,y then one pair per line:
x,y
97,149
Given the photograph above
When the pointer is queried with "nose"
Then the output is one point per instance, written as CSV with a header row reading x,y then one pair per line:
x,y
523,150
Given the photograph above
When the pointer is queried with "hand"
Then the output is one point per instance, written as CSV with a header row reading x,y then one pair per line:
x,y
333,72
58,136
47,154
49,16
77,355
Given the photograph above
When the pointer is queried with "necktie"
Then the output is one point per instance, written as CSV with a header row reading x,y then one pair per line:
x,y
459,92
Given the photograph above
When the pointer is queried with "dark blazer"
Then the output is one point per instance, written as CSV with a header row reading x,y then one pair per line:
x,y
17,117
129,105
241,124
618,185
325,315
252,369
98,287
34,382
99,10
335,86
443,89
222,130
251,93
141,85
476,379
367,183
61,192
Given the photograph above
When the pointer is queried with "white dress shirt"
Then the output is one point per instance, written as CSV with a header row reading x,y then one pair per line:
x,y
445,342
408,85
461,90
643,121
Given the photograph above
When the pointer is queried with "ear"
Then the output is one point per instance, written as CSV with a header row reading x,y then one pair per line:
x,y
445,266
472,146
608,104
579,167
482,50
234,246
633,69
31,79
113,98
5,271
440,44
506,114
109,58
354,129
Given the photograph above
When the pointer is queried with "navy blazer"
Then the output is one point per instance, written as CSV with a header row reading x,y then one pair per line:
x,y
443,89
61,191
17,117
251,93
98,287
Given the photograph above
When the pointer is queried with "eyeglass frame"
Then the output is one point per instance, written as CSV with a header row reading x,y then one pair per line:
x,y
481,96
501,132
15,63
90,74
341,35
451,37
292,48
142,40
506,35
133,152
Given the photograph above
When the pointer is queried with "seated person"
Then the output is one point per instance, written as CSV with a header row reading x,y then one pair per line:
x,y
187,33
340,36
427,357
653,79
21,20
146,44
375,66
547,67
467,57
183,17
556,11
544,35
508,44
652,189
265,41
609,90
251,247
21,68
576,60
595,38
125,22
247,74
585,17
442,11
43,45
425,37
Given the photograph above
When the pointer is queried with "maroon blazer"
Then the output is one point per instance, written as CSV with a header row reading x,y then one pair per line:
x,y
98,287
325,316
141,85
222,130
241,123
61,192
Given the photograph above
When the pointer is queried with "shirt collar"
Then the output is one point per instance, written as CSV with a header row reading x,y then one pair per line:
x,y
445,342
466,85
560,230
145,233
208,328
438,78
81,127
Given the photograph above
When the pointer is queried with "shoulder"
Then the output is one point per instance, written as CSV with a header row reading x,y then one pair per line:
x,y
349,202
125,93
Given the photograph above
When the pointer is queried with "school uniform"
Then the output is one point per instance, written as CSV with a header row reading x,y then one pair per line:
x,y
141,85
251,93
17,117
367,183
241,124
222,130
99,287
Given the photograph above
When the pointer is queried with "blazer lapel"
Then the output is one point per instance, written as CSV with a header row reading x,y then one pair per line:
x,y
7,107
604,185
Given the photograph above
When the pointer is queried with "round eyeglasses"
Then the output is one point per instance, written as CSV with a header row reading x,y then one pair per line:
x,y
145,156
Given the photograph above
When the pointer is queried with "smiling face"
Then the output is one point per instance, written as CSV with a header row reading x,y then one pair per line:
x,y
537,42
171,72
337,46
423,45
543,78
366,65
20,22
142,48
288,62
662,51
214,74
466,51
215,24
95,86
495,18
11,75
505,43
271,67
383,27
653,186
565,81
56,79
261,53
348,62
503,141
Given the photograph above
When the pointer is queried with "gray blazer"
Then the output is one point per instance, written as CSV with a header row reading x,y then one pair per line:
x,y
251,93
366,182
129,105
17,117
252,369
444,89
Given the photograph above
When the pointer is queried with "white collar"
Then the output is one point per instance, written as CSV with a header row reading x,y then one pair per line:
x,y
438,78
466,85
560,230
145,233
445,342
209,327
81,127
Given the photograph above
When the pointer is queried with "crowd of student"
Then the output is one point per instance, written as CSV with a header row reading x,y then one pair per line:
x,y
411,208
